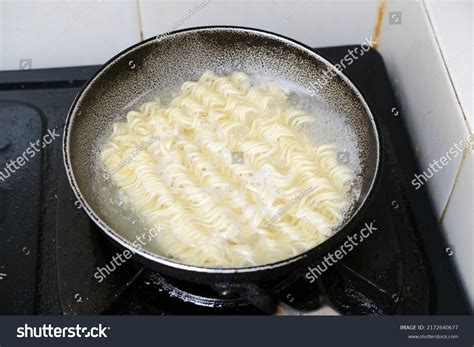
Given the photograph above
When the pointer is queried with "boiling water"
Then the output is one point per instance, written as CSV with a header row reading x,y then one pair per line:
x,y
329,127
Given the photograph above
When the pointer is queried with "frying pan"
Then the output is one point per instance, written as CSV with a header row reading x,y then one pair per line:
x,y
161,62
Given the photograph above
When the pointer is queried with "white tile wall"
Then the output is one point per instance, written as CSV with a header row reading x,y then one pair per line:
x,y
2,34
432,113
316,23
65,33
453,24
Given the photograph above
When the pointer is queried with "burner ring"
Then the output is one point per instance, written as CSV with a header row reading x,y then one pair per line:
x,y
214,302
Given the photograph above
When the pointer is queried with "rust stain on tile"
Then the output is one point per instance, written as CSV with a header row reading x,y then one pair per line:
x,y
378,24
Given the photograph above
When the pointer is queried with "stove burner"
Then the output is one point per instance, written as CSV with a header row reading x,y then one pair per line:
x,y
223,298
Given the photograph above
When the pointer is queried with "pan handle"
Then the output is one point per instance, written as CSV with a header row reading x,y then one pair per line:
x,y
260,298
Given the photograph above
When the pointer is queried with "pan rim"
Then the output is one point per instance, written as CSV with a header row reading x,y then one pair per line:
x,y
194,268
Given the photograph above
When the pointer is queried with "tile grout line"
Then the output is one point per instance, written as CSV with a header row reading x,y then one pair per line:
x,y
458,173
140,19
446,67
466,123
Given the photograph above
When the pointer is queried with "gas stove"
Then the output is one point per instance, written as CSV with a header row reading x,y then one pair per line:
x,y
50,249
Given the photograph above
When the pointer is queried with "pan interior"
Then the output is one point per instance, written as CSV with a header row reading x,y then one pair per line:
x,y
160,66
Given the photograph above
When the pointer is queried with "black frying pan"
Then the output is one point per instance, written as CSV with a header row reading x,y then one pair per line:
x,y
161,62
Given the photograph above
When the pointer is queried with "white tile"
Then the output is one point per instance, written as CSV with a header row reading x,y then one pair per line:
x,y
458,224
432,114
2,34
453,24
315,23
66,33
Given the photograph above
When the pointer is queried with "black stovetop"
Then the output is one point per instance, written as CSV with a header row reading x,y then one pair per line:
x,y
49,249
